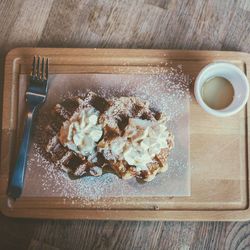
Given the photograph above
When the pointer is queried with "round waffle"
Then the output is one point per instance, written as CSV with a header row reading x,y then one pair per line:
x,y
115,121
67,160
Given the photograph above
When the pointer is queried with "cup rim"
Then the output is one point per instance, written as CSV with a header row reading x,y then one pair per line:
x,y
221,112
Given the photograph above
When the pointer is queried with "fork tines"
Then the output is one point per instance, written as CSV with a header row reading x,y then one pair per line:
x,y
40,70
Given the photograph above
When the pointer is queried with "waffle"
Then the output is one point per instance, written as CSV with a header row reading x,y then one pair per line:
x,y
114,121
116,116
74,164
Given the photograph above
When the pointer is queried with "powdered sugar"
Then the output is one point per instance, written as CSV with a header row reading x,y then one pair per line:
x,y
167,90
169,85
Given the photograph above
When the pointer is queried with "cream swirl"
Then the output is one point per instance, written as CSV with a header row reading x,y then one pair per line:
x,y
82,132
141,142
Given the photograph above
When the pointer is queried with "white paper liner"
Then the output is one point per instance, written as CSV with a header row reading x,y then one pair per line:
x,y
166,92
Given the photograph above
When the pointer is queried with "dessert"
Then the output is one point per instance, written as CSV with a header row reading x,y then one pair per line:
x,y
91,133
73,133
136,141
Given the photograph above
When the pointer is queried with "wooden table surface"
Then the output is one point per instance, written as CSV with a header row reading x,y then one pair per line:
x,y
183,24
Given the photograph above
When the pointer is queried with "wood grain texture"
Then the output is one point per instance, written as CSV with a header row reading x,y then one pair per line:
x,y
187,24
224,139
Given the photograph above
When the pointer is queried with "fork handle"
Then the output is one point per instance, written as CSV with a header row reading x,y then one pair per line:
x,y
17,179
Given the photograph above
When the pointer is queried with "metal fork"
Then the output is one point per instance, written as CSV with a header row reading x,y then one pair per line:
x,y
35,96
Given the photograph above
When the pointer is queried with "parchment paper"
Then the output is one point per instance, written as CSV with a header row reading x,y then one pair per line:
x,y
164,94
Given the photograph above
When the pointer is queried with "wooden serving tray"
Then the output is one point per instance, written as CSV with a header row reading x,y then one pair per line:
x,y
219,146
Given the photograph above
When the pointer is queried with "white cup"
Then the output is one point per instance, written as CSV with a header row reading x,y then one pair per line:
x,y
235,76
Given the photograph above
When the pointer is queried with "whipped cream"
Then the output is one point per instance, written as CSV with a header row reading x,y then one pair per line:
x,y
141,142
82,132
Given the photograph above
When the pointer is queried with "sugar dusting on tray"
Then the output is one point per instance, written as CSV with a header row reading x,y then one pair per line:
x,y
165,87
167,90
